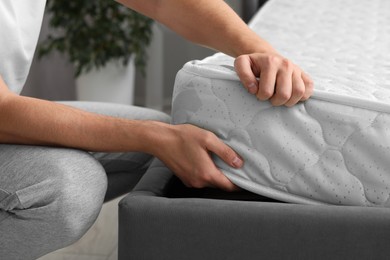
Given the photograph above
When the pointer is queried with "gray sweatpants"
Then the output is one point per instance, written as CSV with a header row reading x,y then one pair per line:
x,y
49,197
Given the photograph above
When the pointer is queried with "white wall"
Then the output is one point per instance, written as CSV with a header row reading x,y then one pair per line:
x,y
51,77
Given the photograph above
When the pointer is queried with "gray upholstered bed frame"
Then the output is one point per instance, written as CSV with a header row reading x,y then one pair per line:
x,y
162,219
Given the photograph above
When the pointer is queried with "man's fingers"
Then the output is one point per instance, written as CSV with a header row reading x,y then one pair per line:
x,y
283,89
216,178
191,160
210,176
298,89
246,74
223,151
267,83
281,81
309,86
219,180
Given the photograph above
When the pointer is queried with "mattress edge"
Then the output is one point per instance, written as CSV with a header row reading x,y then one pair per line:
x,y
227,72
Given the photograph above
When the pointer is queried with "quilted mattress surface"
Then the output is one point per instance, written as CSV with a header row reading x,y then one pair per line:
x,y
333,148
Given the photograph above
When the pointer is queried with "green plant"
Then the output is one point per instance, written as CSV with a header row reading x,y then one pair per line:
x,y
91,33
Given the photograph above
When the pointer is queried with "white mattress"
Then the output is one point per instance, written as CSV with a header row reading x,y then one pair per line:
x,y
333,148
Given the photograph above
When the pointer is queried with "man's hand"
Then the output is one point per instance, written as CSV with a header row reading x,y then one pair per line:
x,y
186,151
280,81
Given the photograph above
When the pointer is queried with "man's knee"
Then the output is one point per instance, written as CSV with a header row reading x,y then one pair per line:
x,y
68,200
53,202
78,186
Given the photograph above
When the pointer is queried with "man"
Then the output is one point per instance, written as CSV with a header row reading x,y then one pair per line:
x,y
50,196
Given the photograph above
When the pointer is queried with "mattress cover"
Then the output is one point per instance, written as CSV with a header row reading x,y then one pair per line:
x,y
331,149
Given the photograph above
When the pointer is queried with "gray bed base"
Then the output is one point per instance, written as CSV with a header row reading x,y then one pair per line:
x,y
162,219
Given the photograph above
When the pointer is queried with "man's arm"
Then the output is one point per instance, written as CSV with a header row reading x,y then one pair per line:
x,y
184,149
210,23
214,24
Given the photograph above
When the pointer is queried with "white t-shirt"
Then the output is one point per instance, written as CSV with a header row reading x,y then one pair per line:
x,y
20,24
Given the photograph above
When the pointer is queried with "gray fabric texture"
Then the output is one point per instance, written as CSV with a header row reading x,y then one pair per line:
x,y
155,225
49,197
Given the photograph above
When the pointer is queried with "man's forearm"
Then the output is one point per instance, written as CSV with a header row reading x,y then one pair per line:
x,y
211,23
33,121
